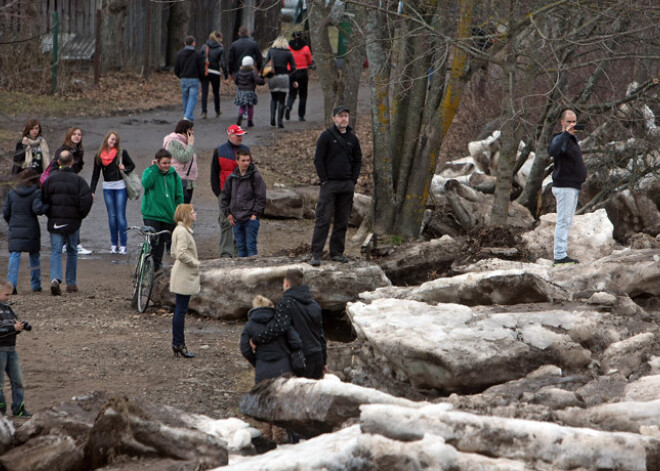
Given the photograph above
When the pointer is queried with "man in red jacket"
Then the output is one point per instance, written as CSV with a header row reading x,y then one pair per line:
x,y
223,164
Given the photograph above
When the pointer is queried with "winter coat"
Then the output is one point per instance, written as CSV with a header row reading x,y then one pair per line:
x,y
331,160
283,62
22,206
244,196
69,198
216,57
189,63
223,164
302,56
7,331
248,79
184,278
297,308
162,194
240,48
569,171
78,162
184,159
111,171
270,359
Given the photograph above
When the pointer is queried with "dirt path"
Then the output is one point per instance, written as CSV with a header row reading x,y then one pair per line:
x,y
93,340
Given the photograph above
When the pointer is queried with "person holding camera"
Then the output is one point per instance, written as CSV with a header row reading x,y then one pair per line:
x,y
184,160
10,327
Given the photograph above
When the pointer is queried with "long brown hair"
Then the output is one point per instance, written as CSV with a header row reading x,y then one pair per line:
x,y
29,125
69,143
104,145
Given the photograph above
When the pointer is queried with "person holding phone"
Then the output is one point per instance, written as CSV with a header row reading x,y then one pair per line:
x,y
180,144
567,179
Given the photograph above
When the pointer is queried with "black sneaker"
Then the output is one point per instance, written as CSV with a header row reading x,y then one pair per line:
x,y
339,258
21,411
55,289
316,262
287,113
565,261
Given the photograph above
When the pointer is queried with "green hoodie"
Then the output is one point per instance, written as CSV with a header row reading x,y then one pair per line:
x,y
162,194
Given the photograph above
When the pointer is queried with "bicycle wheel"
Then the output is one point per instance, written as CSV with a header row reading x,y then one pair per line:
x,y
145,284
136,280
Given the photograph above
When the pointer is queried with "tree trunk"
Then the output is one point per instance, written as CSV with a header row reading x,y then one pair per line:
x,y
177,26
267,24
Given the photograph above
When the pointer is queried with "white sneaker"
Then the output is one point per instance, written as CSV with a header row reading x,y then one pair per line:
x,y
83,251
64,248
113,249
122,250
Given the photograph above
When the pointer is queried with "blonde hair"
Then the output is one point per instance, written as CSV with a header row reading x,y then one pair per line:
x,y
183,214
104,144
281,43
5,284
262,301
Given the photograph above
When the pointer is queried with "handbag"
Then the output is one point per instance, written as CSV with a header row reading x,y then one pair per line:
x,y
268,70
133,183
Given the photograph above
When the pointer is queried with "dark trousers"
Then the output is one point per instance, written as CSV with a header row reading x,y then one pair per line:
x,y
158,245
179,320
301,76
335,202
277,100
314,366
215,85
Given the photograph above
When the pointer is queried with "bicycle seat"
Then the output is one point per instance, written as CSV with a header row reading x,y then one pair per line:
x,y
148,229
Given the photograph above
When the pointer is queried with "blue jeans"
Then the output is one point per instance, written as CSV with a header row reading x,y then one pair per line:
x,y
35,269
189,93
245,235
115,203
10,364
567,200
179,320
57,240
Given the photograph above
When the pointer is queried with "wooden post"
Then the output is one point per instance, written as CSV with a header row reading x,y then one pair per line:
x,y
97,48
147,39
56,32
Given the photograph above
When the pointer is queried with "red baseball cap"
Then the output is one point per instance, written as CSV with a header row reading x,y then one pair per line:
x,y
236,130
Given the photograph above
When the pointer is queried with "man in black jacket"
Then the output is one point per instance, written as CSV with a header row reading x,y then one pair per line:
x,y
338,160
70,201
189,67
297,308
243,46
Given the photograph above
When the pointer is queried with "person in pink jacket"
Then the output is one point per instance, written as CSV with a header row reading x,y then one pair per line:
x,y
299,78
180,144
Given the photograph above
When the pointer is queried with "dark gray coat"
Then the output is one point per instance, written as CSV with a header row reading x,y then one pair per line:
x,y
244,195
22,206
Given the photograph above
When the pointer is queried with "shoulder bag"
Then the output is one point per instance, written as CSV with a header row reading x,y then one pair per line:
x,y
133,183
269,69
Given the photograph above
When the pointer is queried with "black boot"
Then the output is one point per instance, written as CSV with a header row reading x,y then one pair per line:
x,y
183,351
287,113
280,115
239,120
273,108
250,123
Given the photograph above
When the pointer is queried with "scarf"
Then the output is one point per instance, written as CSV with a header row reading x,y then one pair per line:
x,y
107,156
29,145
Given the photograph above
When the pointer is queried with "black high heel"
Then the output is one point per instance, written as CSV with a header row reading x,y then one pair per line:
x,y
183,351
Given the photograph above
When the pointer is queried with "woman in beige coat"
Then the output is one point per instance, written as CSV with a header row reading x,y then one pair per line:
x,y
184,280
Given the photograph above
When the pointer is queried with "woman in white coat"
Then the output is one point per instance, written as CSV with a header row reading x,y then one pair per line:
x,y
184,279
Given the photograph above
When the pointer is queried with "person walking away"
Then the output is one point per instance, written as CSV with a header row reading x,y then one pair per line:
x,y
223,164
567,178
180,144
110,159
73,143
184,278
299,79
163,192
298,308
214,62
10,327
278,84
22,206
70,200
189,68
32,150
243,46
243,202
246,80
338,160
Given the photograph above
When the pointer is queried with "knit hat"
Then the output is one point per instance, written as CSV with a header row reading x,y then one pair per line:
x,y
247,61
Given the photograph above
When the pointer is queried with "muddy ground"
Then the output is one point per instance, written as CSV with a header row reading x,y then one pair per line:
x,y
93,340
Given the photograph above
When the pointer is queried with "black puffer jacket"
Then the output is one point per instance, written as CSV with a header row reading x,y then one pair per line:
x,y
70,201
216,56
22,206
8,332
281,58
297,308
240,48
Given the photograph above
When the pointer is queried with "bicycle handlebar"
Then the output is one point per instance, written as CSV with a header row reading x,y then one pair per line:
x,y
147,231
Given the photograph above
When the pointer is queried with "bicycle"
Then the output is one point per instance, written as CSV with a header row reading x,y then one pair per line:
x,y
143,276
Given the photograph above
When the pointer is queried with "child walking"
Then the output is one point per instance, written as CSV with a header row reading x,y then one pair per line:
x,y
246,80
10,327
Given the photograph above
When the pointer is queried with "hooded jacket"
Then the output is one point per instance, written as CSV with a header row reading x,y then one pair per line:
x,y
189,63
162,194
301,54
22,206
244,195
283,62
69,198
297,308
216,57
569,171
184,159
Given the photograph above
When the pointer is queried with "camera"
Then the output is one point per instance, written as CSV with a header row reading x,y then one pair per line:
x,y
26,326
579,127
